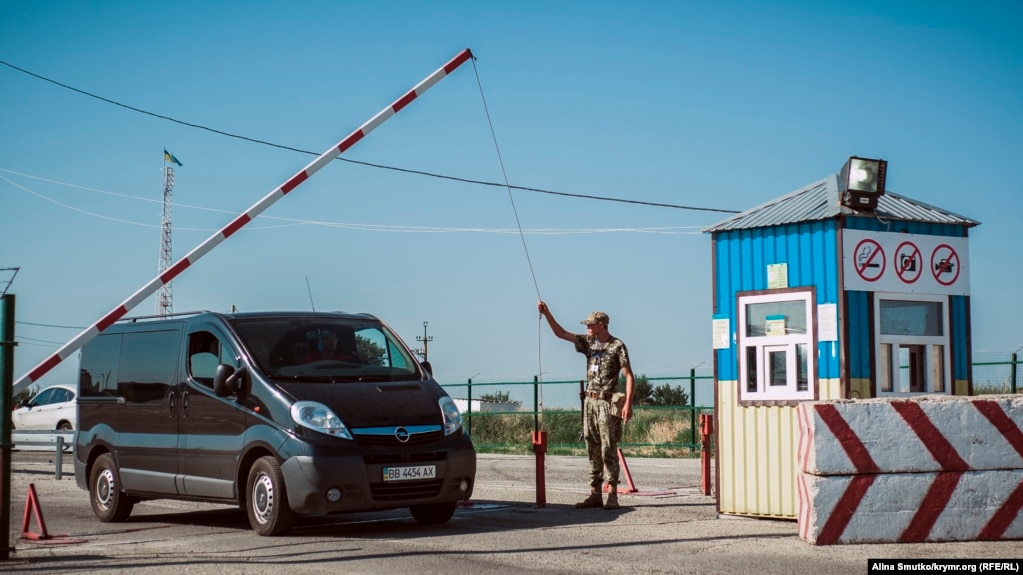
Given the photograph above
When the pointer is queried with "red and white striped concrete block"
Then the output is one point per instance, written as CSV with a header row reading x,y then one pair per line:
x,y
911,507
924,469
926,433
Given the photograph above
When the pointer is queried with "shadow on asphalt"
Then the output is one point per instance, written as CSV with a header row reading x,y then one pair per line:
x,y
481,517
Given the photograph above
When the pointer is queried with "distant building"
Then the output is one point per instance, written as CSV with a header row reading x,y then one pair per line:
x,y
479,406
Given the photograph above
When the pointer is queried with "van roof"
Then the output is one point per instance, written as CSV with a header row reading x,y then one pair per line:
x,y
242,315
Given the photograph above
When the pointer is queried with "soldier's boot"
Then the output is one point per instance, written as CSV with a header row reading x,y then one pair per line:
x,y
612,499
594,500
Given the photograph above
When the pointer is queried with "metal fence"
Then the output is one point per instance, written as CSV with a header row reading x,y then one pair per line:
x,y
555,407
996,372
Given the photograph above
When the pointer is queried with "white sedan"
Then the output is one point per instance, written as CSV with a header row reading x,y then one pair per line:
x,y
52,408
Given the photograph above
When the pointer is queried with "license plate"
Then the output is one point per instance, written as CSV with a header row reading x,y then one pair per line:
x,y
410,473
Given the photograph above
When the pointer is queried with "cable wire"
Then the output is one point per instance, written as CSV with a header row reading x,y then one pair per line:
x,y
522,236
665,230
504,173
351,161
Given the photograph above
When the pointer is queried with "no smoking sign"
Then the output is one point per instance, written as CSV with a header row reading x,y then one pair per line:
x,y
870,260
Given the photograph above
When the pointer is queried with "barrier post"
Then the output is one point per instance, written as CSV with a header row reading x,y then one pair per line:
x,y
247,216
59,459
540,449
706,429
1013,376
468,422
692,406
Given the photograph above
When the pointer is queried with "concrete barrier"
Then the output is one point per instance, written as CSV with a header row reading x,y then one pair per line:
x,y
923,469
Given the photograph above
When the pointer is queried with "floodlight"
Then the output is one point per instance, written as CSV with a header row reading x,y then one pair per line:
x,y
862,181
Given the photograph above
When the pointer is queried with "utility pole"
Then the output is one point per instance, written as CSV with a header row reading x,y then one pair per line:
x,y
426,342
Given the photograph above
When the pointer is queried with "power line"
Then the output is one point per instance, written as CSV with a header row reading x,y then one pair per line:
x,y
369,164
49,325
21,337
292,222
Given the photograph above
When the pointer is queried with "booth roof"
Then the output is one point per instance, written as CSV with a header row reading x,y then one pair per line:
x,y
820,201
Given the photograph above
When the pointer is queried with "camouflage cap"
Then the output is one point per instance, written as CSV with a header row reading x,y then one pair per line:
x,y
596,317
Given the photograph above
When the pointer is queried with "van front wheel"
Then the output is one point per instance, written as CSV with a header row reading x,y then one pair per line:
x,y
267,505
108,502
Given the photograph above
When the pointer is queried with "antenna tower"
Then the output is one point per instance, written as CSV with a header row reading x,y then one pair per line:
x,y
164,298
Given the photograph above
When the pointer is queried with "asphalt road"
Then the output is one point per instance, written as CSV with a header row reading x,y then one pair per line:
x,y
666,526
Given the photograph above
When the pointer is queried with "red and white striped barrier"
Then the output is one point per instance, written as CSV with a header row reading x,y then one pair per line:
x,y
213,241
925,469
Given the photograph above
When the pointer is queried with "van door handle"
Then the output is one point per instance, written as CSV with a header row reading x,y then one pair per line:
x,y
170,402
184,403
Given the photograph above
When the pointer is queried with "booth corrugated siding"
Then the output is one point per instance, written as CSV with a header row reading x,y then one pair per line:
x,y
757,445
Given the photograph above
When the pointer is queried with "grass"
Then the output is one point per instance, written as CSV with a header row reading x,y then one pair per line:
x,y
652,432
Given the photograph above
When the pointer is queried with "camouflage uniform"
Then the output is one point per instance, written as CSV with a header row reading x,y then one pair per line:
x,y
602,430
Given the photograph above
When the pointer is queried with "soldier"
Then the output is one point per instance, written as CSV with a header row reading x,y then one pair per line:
x,y
605,408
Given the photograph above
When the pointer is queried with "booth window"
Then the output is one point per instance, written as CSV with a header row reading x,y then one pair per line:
x,y
912,344
776,336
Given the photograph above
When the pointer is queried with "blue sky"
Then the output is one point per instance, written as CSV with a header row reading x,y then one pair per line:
x,y
721,105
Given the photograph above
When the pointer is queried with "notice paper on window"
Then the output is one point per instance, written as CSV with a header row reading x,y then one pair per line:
x,y
775,325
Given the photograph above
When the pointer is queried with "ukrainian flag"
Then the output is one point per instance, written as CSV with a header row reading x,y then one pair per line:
x,y
169,157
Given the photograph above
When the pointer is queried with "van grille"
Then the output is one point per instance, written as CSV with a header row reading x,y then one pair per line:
x,y
400,458
406,490
388,436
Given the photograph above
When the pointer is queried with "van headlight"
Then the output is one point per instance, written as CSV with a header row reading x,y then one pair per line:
x,y
452,417
319,417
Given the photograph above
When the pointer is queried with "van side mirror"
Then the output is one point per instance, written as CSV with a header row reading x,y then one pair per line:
x,y
429,368
228,381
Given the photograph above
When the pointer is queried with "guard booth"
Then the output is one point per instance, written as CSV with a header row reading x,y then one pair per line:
x,y
838,290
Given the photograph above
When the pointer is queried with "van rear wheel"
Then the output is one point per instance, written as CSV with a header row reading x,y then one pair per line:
x,y
434,513
267,502
109,503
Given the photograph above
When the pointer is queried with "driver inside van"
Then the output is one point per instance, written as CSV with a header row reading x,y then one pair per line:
x,y
326,348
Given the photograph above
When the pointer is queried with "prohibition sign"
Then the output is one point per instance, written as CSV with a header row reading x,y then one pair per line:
x,y
867,253
945,262
908,263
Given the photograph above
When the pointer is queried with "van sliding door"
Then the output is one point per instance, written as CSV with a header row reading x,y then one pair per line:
x,y
147,421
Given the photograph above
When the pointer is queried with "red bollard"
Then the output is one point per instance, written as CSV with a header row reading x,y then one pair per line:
x,y
706,430
540,448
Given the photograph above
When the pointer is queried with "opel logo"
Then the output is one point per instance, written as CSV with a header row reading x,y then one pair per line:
x,y
402,434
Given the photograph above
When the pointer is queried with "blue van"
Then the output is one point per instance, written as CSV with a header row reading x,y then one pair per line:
x,y
283,414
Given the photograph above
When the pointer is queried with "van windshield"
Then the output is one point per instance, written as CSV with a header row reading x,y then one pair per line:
x,y
326,349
